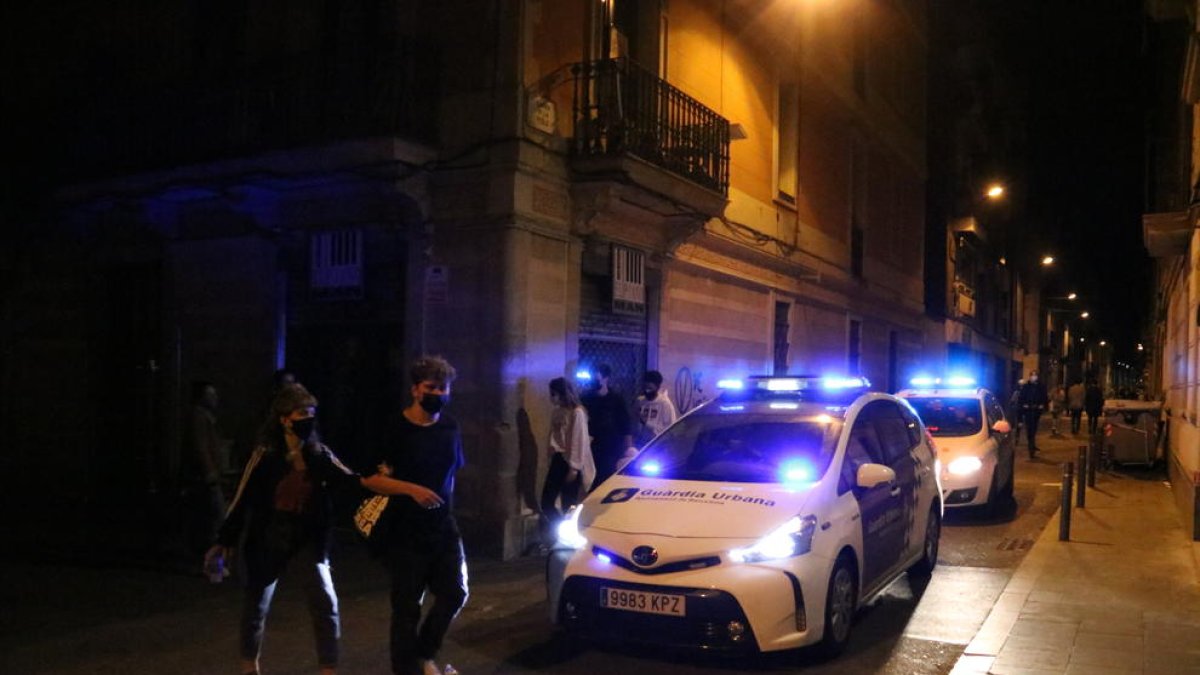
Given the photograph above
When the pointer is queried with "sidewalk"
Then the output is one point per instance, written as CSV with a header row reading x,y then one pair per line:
x,y
1122,596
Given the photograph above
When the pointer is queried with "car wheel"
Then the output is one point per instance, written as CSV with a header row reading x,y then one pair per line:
x,y
841,602
929,547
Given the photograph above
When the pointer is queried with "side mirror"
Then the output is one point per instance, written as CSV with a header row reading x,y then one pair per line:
x,y
870,475
1002,427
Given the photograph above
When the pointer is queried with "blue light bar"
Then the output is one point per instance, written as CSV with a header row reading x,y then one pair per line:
x,y
731,384
583,375
783,384
845,383
960,381
923,381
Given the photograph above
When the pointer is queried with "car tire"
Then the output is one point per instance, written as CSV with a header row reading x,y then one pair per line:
x,y
841,604
923,568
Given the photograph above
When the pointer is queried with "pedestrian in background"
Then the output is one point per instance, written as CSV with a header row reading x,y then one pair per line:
x,y
655,411
1014,412
283,507
1033,400
608,424
421,546
1093,403
1075,396
1058,401
572,468
202,466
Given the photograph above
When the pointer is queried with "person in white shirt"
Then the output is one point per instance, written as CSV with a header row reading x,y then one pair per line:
x,y
572,467
655,411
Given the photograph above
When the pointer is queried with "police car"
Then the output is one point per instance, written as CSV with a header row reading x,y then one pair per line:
x,y
974,440
759,521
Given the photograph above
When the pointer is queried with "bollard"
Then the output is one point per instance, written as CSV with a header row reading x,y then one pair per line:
x,y
1092,459
1064,516
1081,484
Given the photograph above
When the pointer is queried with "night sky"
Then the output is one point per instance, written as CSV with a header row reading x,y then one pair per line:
x,y
1082,65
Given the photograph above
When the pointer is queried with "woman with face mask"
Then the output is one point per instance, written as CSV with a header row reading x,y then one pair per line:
x,y
283,506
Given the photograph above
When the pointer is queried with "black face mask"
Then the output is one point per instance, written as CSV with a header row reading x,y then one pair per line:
x,y
433,403
303,428
650,395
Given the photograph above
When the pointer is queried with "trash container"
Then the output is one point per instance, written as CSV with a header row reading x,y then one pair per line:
x,y
1131,430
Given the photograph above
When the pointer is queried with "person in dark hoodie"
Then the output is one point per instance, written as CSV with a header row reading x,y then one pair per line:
x,y
283,507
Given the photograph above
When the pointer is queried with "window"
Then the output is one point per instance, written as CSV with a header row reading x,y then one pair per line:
x,y
858,204
891,429
854,348
782,329
787,148
336,263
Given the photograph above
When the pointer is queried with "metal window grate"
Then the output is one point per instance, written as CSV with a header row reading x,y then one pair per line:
x,y
336,262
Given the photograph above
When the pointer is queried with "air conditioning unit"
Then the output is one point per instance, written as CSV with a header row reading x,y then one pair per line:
x,y
964,303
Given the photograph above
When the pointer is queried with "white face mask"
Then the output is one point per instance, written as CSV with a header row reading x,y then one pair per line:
x,y
1033,379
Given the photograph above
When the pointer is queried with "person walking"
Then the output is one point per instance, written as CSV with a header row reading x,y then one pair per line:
x,y
1014,412
572,468
608,424
1093,404
201,474
1075,396
284,507
420,543
655,411
1058,401
1033,400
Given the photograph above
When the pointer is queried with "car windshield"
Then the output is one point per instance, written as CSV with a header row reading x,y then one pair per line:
x,y
949,416
739,448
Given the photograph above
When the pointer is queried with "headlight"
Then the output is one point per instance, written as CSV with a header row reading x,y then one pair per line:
x,y
568,530
965,465
792,539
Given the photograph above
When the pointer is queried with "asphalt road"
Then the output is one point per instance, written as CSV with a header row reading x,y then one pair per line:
x,y
69,618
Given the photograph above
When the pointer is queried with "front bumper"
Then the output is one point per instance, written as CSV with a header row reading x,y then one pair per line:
x,y
730,607
970,490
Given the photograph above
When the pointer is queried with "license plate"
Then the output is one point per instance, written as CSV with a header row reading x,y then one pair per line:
x,y
667,604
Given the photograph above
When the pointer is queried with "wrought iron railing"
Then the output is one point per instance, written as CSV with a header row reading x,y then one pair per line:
x,y
624,109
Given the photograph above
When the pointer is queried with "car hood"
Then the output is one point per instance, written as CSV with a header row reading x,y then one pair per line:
x,y
953,447
692,508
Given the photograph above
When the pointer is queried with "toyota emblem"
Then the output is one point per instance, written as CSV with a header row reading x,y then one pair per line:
x,y
645,556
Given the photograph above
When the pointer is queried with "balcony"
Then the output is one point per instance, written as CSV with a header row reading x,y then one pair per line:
x,y
290,101
623,111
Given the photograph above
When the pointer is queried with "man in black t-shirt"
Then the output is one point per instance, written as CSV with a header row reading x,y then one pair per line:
x,y
608,424
422,548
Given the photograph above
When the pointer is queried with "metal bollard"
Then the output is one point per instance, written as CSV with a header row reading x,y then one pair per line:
x,y
1064,516
1092,458
1081,484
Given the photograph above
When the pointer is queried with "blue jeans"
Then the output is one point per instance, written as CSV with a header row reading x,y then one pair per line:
x,y
265,563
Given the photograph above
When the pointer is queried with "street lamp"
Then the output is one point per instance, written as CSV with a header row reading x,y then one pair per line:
x,y
994,191
1047,260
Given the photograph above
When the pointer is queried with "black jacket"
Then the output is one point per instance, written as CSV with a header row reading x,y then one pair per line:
x,y
253,503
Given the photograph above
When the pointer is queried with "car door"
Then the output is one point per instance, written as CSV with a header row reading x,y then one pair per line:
x,y
880,506
897,441
1004,450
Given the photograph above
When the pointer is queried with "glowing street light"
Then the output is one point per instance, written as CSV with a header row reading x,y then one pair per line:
x,y
1072,296
1084,315
1048,260
1103,342
994,191
1140,347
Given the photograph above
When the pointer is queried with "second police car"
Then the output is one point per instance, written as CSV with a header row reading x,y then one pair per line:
x,y
974,441
759,521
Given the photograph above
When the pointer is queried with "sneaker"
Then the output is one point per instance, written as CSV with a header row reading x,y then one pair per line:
x,y
450,670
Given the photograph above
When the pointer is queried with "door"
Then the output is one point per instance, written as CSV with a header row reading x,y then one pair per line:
x,y
880,506
898,443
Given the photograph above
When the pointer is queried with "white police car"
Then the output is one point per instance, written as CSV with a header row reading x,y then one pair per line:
x,y
974,441
760,521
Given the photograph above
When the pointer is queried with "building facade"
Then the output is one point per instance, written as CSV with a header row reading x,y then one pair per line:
x,y
1171,234
529,187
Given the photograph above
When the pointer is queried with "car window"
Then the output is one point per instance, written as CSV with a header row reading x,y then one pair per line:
x,y
945,416
862,447
742,448
914,425
892,430
995,411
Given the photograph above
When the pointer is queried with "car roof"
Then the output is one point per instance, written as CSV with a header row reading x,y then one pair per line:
x,y
781,407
